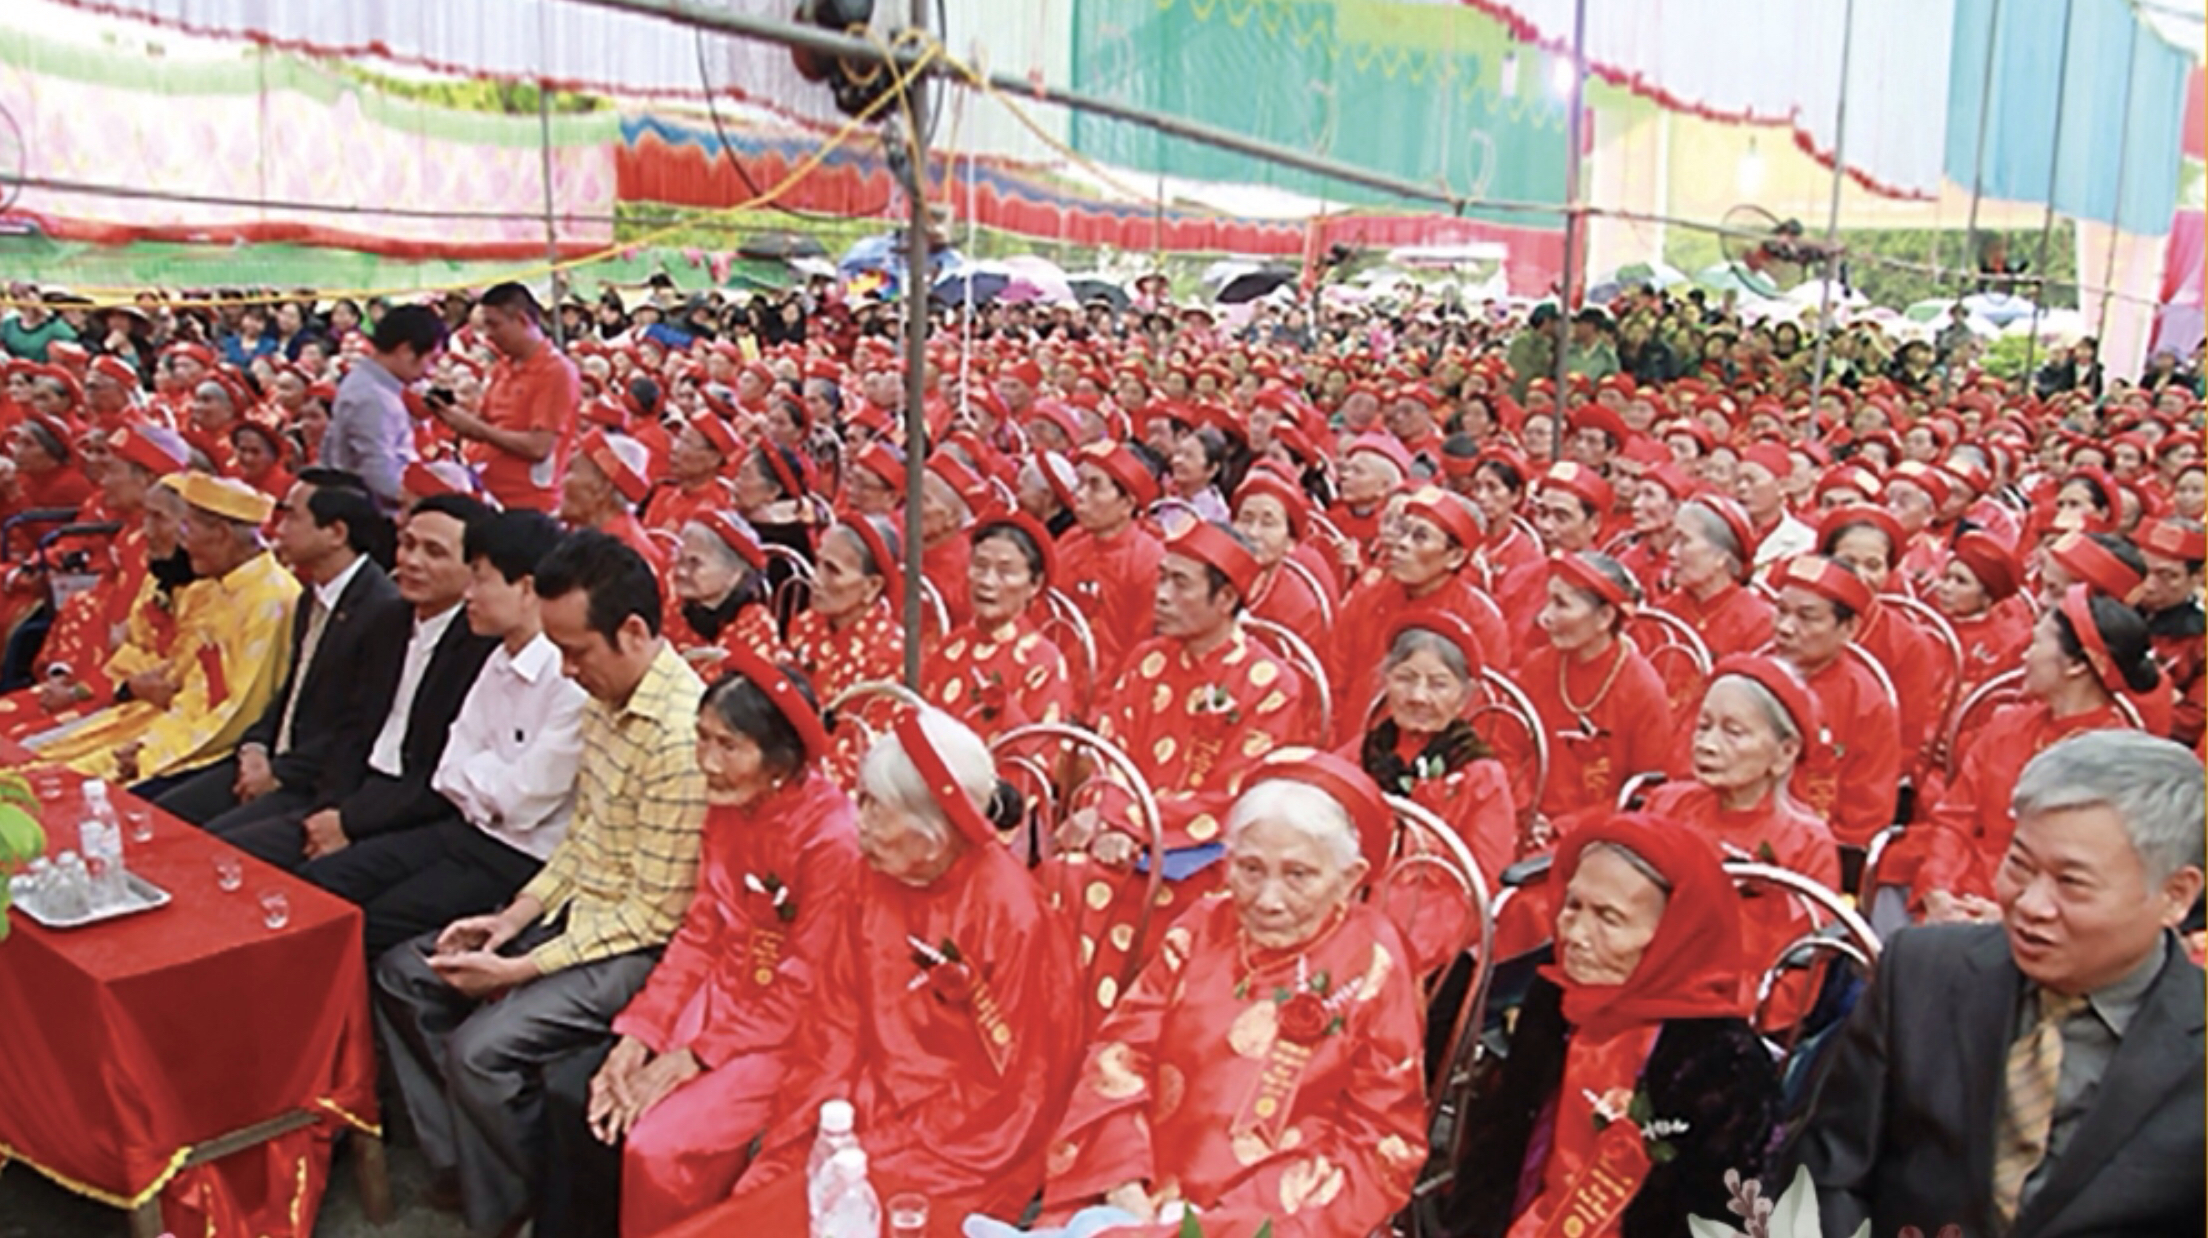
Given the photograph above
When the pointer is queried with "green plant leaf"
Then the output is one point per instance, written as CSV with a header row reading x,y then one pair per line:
x,y
1641,1109
22,838
1662,1153
15,789
1189,1227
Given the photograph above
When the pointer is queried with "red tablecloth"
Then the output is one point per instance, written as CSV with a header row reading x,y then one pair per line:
x,y
124,1044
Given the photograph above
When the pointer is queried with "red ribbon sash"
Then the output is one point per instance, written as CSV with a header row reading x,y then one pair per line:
x,y
1601,1190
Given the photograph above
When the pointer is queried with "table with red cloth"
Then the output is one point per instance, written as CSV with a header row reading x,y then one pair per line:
x,y
127,1046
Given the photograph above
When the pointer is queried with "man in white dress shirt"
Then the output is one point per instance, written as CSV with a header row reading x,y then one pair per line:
x,y
506,776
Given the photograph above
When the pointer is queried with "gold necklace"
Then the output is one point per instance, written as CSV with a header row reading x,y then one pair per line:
x,y
1563,690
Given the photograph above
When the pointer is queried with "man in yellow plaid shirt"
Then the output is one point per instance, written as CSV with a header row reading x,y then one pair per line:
x,y
566,955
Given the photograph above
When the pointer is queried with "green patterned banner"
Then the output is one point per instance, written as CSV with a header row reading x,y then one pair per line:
x,y
1412,90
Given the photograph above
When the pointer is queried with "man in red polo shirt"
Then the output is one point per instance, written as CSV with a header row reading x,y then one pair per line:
x,y
522,438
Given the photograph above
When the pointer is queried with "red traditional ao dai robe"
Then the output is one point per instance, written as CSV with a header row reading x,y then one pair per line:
x,y
733,986
1361,639
1000,679
1851,782
1608,718
1777,832
1195,726
955,1096
751,628
1114,581
869,648
1960,846
1921,674
1305,1111
1736,619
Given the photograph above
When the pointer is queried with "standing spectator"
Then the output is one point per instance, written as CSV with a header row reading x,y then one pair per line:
x,y
370,433
1591,352
32,326
528,420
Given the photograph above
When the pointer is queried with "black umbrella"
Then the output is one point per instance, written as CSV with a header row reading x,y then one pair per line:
x,y
784,245
1087,290
1250,285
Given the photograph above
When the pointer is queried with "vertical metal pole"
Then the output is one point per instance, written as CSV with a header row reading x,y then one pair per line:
x,y
1572,223
551,226
2054,176
2123,153
1832,220
916,355
1978,158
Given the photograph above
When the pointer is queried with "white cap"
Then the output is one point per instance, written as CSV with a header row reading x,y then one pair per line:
x,y
836,1116
95,793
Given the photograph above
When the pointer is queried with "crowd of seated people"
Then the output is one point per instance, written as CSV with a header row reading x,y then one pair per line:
x,y
577,661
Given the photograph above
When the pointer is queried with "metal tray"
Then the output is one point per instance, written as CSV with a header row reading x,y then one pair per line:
x,y
144,896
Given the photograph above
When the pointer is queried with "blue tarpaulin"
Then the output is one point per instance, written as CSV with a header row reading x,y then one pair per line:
x,y
2122,90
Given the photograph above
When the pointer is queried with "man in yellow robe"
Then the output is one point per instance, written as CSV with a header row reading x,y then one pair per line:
x,y
230,654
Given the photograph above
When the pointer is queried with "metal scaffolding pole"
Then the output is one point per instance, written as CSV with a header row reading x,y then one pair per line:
x,y
916,354
1832,220
551,225
2054,176
1574,226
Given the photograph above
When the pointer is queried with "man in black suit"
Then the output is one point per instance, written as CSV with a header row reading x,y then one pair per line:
x,y
2040,1077
310,745
437,665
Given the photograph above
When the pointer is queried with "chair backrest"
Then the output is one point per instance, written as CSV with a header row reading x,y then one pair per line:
x,y
1435,893
1064,623
1093,752
1676,652
792,588
855,707
1171,514
1943,635
1975,709
1318,588
1298,653
938,612
1505,717
1878,672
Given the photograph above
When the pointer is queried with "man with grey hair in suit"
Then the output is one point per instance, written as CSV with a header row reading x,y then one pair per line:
x,y
2040,1077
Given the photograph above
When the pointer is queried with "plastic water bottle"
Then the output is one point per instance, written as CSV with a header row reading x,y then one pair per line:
x,y
854,1211
836,1117
100,840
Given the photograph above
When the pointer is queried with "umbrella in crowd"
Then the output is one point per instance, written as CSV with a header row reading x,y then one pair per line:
x,y
1250,285
783,245
1088,289
1733,277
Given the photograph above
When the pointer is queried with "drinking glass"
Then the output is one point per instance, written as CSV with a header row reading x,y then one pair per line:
x,y
229,874
275,909
908,1216
138,825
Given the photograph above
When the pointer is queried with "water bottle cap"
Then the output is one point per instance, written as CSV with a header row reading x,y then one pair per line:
x,y
95,793
850,1162
836,1116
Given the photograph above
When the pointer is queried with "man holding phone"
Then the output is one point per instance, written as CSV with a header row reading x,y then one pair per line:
x,y
527,426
